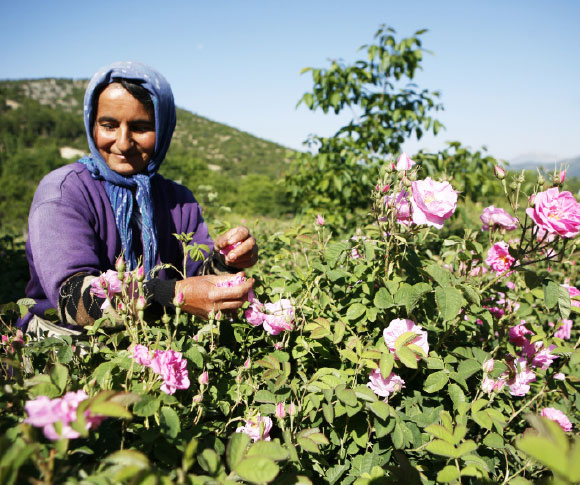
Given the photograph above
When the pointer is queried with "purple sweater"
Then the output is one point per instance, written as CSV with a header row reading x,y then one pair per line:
x,y
71,229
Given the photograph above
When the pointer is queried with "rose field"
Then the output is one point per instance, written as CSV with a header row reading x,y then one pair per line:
x,y
416,322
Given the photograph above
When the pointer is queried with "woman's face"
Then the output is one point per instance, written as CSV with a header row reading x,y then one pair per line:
x,y
124,131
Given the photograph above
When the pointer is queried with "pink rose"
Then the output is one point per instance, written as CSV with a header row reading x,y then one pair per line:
x,y
402,206
556,212
539,355
498,258
44,413
521,376
559,417
320,220
400,326
105,286
385,387
228,248
235,281
574,293
280,410
141,355
488,365
257,427
279,316
564,330
172,368
432,202
496,217
517,334
404,162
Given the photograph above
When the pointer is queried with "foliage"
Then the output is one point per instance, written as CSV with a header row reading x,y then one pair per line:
x,y
386,112
328,425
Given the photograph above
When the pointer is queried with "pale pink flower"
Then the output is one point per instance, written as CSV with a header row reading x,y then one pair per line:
x,y
498,258
44,413
203,378
487,385
140,275
141,355
106,286
517,334
400,326
488,365
556,212
320,220
401,205
255,313
229,247
559,417
197,399
179,299
574,294
521,377
499,172
564,330
539,355
172,368
559,376
432,202
235,281
257,427
385,387
291,409
279,316
247,363
278,346
280,411
562,176
404,162
497,217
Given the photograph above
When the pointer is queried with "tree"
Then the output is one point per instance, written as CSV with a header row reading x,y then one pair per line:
x,y
387,110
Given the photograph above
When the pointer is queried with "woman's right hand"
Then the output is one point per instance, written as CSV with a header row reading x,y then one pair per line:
x,y
202,295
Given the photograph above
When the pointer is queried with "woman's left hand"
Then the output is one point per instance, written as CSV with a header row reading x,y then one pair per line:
x,y
245,253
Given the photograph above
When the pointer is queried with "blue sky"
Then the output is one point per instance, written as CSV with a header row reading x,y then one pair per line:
x,y
508,71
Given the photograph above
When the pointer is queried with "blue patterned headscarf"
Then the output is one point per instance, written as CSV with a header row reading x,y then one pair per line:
x,y
119,187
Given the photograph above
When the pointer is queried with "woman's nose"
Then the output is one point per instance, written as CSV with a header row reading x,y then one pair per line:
x,y
124,139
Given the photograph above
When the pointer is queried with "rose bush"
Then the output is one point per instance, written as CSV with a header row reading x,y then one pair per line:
x,y
405,364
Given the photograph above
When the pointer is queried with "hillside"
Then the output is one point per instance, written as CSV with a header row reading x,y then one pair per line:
x,y
41,128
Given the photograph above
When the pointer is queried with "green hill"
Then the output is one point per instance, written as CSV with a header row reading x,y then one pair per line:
x,y
41,128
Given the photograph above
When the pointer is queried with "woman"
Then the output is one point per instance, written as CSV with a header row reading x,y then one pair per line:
x,y
84,215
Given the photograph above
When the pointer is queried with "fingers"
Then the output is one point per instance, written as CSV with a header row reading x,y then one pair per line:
x,y
244,255
220,294
233,236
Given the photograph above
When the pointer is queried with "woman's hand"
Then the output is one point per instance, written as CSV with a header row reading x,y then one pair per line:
x,y
245,254
202,295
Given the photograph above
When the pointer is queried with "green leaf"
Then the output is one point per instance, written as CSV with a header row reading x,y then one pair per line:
x,y
386,364
328,412
493,440
563,302
383,299
334,474
147,406
468,367
448,474
308,445
407,357
466,447
441,276
551,294
405,338
355,311
110,409
333,252
435,381
440,432
209,460
449,302
456,394
236,448
268,449
347,396
364,393
339,329
415,293
380,408
59,376
265,396
170,421
443,448
544,451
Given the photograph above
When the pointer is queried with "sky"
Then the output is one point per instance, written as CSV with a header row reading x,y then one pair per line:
x,y
508,71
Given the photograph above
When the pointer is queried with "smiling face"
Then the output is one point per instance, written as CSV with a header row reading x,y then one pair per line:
x,y
124,131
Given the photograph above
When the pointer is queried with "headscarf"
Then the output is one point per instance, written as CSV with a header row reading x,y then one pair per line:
x,y
118,187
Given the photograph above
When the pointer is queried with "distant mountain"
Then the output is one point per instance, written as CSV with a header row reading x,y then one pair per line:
x,y
41,128
546,163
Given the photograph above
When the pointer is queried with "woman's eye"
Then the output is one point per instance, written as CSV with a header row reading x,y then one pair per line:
x,y
107,126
